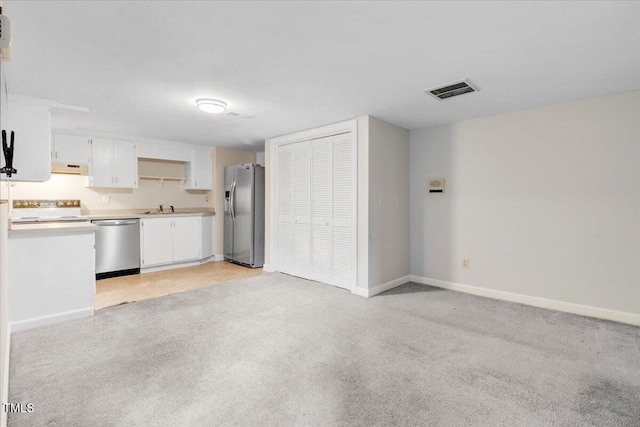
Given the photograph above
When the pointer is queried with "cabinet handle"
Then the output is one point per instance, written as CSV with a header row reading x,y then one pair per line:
x,y
116,179
56,154
112,180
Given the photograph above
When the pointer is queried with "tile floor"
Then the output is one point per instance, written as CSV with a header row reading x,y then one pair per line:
x,y
119,290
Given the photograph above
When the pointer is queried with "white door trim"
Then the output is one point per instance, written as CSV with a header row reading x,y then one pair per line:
x,y
319,132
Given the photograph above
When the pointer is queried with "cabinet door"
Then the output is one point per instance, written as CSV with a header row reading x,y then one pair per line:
x,y
203,167
207,236
187,238
70,149
125,164
199,171
31,123
101,168
157,241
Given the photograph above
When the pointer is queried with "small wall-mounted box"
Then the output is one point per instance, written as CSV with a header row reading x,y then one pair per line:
x,y
436,185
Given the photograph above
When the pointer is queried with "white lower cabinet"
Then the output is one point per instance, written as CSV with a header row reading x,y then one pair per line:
x,y
187,240
51,277
157,241
207,236
171,239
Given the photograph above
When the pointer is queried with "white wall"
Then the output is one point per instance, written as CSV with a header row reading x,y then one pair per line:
x,y
545,202
388,217
363,204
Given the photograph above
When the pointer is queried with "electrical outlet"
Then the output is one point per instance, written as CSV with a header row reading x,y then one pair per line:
x,y
105,199
465,262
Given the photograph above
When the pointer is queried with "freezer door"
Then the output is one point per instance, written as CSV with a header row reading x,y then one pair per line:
x,y
228,212
242,207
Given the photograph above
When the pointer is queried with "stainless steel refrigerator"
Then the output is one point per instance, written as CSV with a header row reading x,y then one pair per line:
x,y
244,214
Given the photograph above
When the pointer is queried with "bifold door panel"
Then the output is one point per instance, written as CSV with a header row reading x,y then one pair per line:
x,y
315,209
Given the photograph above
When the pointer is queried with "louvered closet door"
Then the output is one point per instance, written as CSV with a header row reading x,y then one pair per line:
x,y
285,208
321,209
315,210
343,165
302,209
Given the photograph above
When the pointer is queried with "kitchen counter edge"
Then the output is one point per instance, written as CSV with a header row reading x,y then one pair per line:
x,y
141,215
57,227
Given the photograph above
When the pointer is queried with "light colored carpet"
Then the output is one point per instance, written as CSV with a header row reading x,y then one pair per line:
x,y
276,350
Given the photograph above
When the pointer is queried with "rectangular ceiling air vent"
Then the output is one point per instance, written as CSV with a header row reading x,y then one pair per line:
x,y
452,89
241,116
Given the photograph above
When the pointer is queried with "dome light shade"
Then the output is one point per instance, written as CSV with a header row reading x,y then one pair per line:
x,y
212,106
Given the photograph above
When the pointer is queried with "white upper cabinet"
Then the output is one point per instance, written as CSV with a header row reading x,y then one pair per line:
x,y
30,120
125,164
113,164
199,171
71,149
163,150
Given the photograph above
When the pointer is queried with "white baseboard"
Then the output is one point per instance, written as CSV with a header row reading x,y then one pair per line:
x,y
568,307
178,265
366,292
267,268
23,325
218,257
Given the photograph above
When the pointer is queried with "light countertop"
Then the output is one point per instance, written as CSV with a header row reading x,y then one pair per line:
x,y
138,213
51,227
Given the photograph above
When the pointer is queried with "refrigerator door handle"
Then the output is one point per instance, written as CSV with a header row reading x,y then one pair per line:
x,y
232,199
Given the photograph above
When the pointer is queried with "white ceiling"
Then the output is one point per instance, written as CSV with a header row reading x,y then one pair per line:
x,y
139,66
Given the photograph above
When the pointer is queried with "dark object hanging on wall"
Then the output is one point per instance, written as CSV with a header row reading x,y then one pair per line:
x,y
8,154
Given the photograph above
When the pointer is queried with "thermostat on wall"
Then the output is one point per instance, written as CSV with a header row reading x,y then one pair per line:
x,y
436,185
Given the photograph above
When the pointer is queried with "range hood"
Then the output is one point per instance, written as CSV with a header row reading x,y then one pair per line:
x,y
68,169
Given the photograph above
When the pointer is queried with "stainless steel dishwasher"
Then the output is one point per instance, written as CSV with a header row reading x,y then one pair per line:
x,y
117,247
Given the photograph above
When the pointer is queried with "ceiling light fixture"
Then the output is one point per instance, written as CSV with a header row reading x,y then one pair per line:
x,y
212,106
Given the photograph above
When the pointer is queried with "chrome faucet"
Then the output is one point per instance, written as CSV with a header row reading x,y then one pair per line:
x,y
161,208
172,210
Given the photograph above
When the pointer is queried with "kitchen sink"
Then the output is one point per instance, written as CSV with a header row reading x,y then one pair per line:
x,y
164,213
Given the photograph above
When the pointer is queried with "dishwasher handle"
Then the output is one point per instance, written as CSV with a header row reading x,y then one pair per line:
x,y
115,222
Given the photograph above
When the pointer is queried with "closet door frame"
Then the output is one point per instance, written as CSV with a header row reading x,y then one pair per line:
x,y
330,130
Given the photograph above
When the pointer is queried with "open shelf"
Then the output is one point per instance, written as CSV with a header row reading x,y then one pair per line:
x,y
162,179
